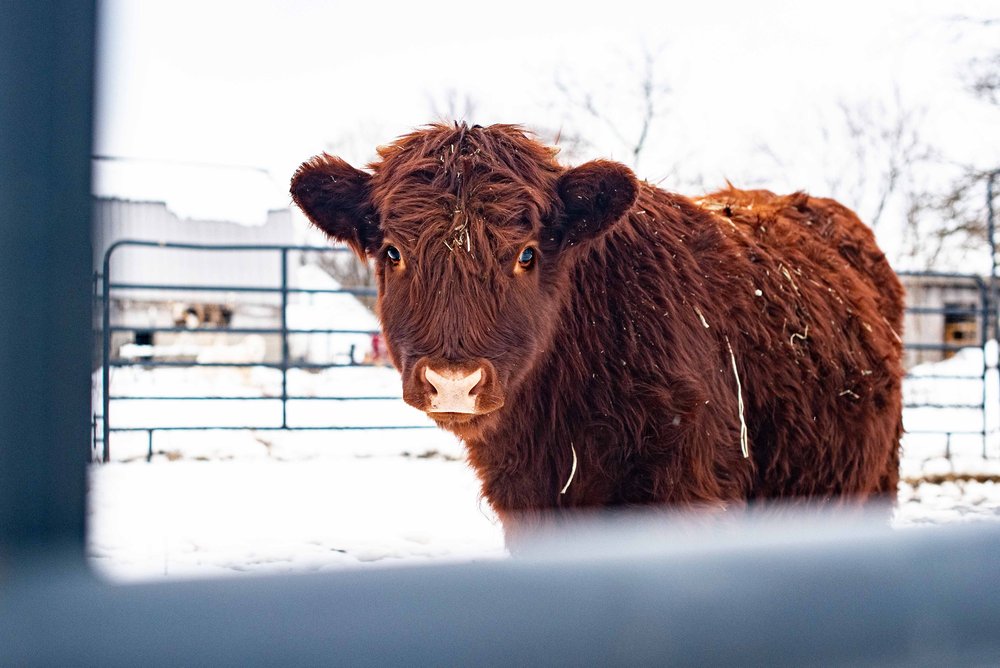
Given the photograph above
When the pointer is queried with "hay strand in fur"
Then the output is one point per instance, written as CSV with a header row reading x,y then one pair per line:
x,y
744,432
572,472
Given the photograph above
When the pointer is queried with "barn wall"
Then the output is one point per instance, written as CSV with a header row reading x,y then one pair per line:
x,y
117,219
929,328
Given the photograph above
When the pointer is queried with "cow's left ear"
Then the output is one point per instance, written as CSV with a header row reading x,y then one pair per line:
x,y
595,195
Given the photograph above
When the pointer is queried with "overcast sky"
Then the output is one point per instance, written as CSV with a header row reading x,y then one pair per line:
x,y
269,84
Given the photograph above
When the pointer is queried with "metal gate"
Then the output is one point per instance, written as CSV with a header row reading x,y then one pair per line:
x,y
107,291
940,401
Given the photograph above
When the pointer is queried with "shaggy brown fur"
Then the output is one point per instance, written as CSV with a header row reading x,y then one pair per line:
x,y
617,341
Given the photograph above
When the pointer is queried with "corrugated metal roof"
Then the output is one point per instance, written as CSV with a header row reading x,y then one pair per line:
x,y
237,194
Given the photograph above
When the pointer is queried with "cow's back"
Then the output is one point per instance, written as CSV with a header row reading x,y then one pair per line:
x,y
780,220
830,421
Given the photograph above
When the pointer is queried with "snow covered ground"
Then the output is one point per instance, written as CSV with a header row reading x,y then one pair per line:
x,y
222,502
194,518
958,480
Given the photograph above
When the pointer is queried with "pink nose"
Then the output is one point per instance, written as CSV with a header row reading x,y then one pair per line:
x,y
453,390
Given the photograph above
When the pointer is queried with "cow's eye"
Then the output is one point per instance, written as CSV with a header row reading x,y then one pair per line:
x,y
526,259
393,254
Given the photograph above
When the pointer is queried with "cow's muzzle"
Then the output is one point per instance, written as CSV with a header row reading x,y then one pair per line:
x,y
438,386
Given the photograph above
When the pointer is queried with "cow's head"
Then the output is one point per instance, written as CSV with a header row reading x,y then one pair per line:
x,y
474,233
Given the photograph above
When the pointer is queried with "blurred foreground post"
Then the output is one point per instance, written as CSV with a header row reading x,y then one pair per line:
x,y
46,77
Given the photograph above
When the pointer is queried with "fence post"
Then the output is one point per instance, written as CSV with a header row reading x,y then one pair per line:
x,y
992,308
106,356
284,338
985,305
95,300
990,231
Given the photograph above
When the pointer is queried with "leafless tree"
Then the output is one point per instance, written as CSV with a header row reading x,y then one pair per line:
x,y
876,159
351,273
452,106
632,116
888,148
357,146
872,154
572,145
954,219
985,78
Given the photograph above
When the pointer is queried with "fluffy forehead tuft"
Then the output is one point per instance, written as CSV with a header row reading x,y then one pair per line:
x,y
460,187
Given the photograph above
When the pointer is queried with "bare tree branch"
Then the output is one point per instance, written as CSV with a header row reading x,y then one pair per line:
x,y
452,106
974,19
985,78
953,219
647,93
585,102
571,144
874,155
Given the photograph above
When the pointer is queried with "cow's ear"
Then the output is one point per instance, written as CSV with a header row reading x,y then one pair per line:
x,y
337,199
594,196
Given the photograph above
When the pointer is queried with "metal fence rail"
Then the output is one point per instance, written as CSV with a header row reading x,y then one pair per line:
x,y
983,312
105,289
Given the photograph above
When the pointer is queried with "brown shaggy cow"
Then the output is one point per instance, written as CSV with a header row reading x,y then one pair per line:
x,y
596,341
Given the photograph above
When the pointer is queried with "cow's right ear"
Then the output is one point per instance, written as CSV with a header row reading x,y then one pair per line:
x,y
337,199
595,195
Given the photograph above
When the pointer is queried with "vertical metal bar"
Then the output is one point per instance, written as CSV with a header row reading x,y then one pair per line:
x,y
993,307
990,231
984,304
149,450
284,338
94,300
106,356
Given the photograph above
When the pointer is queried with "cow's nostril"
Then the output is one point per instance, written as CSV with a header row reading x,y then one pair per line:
x,y
478,387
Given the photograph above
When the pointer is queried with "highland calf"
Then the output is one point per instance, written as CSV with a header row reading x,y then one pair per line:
x,y
596,341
